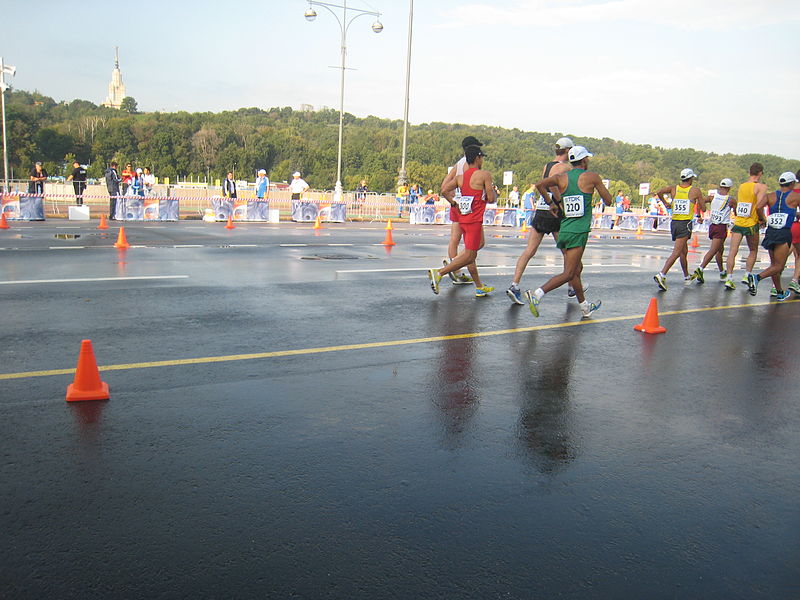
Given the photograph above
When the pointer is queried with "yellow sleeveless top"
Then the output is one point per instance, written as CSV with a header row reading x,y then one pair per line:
x,y
682,207
746,215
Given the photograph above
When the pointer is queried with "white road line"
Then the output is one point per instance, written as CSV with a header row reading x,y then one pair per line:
x,y
293,245
67,247
81,280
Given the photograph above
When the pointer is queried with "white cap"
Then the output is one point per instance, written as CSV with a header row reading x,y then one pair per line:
x,y
577,153
687,174
726,183
296,174
138,170
564,143
262,171
787,178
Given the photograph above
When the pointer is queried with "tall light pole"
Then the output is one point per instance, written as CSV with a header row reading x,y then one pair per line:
x,y
5,70
401,178
344,25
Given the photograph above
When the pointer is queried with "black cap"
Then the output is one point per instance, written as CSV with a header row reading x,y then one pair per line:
x,y
472,152
470,141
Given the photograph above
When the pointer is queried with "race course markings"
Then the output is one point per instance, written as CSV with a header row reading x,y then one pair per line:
x,y
386,344
85,279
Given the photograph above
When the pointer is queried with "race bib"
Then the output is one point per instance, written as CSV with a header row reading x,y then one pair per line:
x,y
717,217
541,204
464,204
777,220
573,206
680,206
743,209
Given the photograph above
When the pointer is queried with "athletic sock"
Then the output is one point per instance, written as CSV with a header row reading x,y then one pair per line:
x,y
539,293
662,274
514,285
584,304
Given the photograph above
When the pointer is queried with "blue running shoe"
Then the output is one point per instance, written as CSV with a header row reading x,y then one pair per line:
x,y
482,292
590,308
782,295
515,294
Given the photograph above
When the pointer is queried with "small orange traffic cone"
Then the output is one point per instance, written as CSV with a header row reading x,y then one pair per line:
x,y
103,222
122,241
317,223
695,241
4,222
230,224
639,228
524,226
650,323
388,241
87,384
389,225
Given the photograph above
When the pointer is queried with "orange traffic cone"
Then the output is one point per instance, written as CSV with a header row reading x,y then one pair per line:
x,y
524,226
103,222
230,224
3,222
388,241
695,241
639,228
650,323
122,241
317,223
389,225
87,384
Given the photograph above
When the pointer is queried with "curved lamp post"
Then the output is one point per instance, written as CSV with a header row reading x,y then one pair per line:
x,y
344,25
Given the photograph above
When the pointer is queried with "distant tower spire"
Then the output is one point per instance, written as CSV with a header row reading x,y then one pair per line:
x,y
116,89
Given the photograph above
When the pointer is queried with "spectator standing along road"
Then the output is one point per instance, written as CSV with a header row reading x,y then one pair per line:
x,y
262,185
127,176
229,186
38,176
112,185
78,179
149,180
298,186
513,197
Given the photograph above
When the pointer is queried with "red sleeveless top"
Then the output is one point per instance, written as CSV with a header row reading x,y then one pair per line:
x,y
478,200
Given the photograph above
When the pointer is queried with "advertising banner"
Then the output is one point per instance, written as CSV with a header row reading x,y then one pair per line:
x,y
304,212
23,208
139,208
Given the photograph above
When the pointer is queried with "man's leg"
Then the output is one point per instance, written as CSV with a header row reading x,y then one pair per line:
x,y
777,262
733,250
752,243
678,251
794,285
534,240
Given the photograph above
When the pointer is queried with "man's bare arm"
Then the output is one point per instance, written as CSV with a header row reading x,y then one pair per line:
x,y
601,189
449,185
665,190
698,196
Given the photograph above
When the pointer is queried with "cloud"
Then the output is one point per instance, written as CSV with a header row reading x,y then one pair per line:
x,y
681,14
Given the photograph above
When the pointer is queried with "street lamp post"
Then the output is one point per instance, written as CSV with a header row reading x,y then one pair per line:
x,y
344,25
5,70
402,179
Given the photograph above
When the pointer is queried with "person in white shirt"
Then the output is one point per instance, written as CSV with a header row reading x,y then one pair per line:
x,y
513,197
721,204
149,180
298,186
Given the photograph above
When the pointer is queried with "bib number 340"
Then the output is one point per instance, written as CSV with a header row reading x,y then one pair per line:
x,y
573,206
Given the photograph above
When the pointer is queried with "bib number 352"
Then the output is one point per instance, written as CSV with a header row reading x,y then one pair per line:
x,y
573,206
777,220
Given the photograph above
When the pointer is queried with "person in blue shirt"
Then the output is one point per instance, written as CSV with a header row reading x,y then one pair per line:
x,y
262,185
528,203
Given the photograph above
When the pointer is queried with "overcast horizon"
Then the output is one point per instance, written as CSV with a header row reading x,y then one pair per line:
x,y
640,71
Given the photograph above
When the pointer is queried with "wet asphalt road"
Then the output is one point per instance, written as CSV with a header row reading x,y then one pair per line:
x,y
587,461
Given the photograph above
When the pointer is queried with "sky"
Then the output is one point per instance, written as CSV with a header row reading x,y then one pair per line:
x,y
715,75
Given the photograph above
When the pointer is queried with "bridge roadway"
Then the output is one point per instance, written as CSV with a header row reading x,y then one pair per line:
x,y
296,415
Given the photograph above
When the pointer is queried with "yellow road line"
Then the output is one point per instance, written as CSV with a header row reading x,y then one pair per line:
x,y
305,351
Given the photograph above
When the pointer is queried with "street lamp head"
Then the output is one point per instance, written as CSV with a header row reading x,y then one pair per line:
x,y
311,14
377,27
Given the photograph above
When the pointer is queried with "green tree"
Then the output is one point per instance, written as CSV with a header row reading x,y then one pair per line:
x,y
129,105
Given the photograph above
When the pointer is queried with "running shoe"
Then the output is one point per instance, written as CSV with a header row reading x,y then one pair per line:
x,y
698,274
482,292
795,287
773,292
723,275
462,279
451,274
752,284
571,292
661,281
588,310
745,280
729,285
688,279
515,294
533,303
782,295
433,275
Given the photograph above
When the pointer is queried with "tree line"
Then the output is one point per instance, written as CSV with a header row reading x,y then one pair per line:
x,y
283,140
